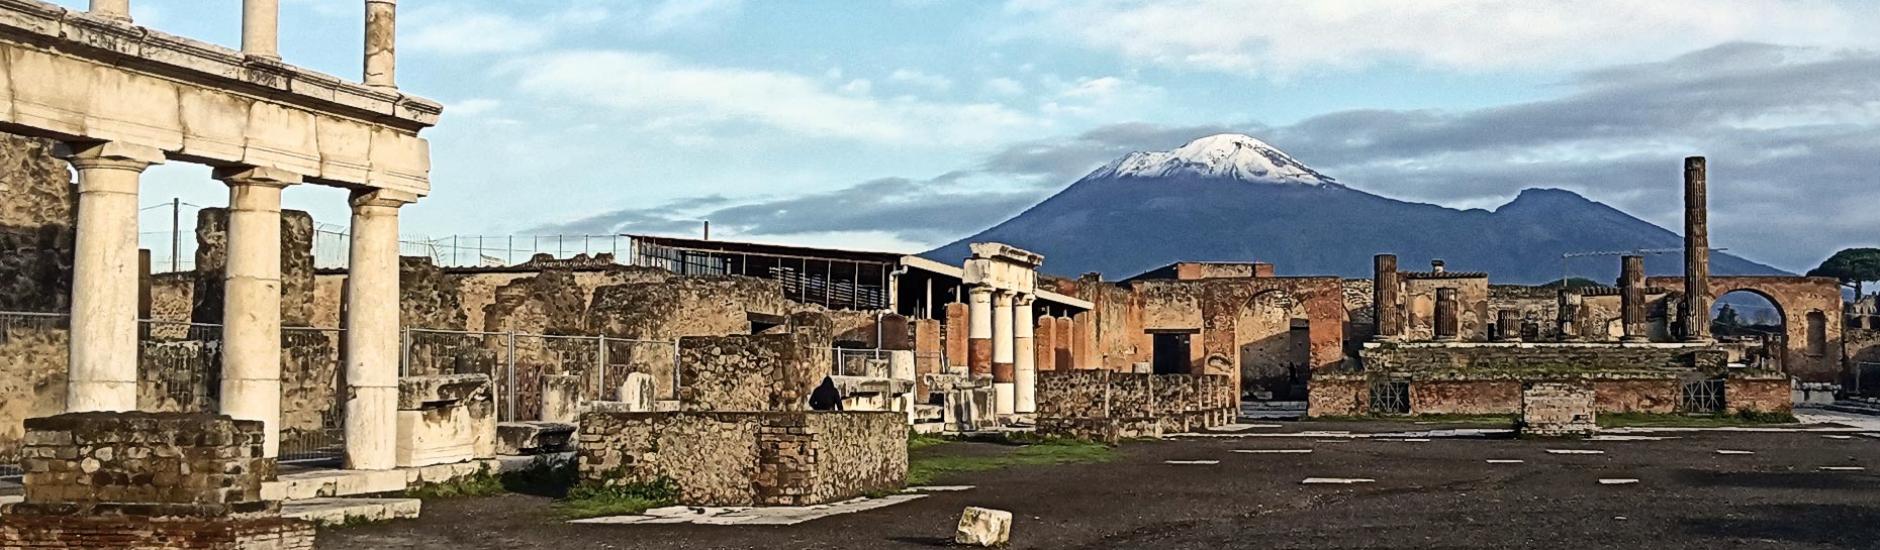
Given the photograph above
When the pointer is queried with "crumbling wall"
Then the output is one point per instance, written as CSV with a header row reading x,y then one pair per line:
x,y
1419,296
1104,405
1541,305
1362,325
766,372
38,208
1800,299
296,266
747,459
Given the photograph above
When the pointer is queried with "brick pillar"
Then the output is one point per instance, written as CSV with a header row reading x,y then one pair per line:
x,y
1262,270
1044,342
1508,325
1061,346
1632,298
1448,322
1083,354
1696,252
957,331
979,332
1386,306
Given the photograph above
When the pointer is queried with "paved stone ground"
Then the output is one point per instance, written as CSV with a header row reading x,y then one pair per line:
x,y
1436,494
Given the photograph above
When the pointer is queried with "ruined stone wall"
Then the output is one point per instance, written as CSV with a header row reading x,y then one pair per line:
x,y
1537,304
32,377
1764,394
296,266
1419,298
1646,396
1338,394
1465,397
1104,405
1118,324
1807,304
1491,359
748,459
1362,326
767,372
38,207
1861,353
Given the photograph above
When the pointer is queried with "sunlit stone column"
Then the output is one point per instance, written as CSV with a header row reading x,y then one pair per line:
x,y
372,331
102,343
261,22
112,9
1003,392
1024,355
979,331
1696,251
251,309
382,43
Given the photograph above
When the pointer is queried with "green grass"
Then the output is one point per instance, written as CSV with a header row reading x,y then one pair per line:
x,y
924,470
589,501
917,441
1642,420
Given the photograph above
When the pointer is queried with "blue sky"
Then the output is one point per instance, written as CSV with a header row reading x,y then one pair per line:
x,y
903,124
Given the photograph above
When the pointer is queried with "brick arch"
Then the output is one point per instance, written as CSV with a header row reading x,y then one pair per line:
x,y
1795,298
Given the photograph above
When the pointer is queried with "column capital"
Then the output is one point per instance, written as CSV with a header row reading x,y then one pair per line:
x,y
980,290
1024,299
383,198
257,175
109,155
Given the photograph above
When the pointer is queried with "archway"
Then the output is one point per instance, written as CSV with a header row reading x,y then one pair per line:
x,y
1272,337
1752,326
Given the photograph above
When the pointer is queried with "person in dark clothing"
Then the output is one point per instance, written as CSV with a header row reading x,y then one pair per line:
x,y
826,397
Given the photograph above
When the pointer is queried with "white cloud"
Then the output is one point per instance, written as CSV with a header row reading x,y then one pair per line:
x,y
1004,87
671,15
661,92
859,86
472,107
913,77
450,31
1105,95
1277,37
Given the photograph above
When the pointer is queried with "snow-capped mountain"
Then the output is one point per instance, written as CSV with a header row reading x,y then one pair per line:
x,y
1235,156
1149,209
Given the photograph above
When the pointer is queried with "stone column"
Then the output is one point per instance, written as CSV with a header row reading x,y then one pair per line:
x,y
1448,323
1024,356
251,307
979,332
1696,252
102,342
1045,339
112,9
1632,298
1004,390
1508,325
381,43
1061,344
1386,308
372,327
261,22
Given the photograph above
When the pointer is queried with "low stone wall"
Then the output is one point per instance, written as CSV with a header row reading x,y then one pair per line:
x,y
1557,408
1465,397
749,458
1646,396
1349,393
1538,358
1762,394
751,373
147,480
1338,394
1108,406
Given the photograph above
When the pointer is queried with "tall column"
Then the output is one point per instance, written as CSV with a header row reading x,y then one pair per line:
x,y
372,332
112,9
1632,298
251,308
261,25
979,331
1024,355
382,43
1386,309
1696,252
1448,322
1004,389
102,343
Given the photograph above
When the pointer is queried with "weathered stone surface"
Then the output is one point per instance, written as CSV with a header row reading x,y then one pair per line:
x,y
37,212
444,419
528,438
1109,406
296,266
1556,408
746,459
766,372
145,465
983,527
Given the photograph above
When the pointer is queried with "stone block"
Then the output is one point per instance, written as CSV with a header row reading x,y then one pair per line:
x,y
1557,409
528,438
639,392
420,392
561,398
983,527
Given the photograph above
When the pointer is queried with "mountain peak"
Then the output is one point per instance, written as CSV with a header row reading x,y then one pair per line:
x,y
1235,156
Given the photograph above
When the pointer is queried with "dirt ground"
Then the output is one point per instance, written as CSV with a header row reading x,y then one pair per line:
x,y
1436,494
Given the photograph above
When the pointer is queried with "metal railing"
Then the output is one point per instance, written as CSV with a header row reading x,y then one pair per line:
x,y
518,363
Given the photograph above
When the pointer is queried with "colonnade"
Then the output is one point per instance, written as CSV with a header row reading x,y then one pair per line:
x,y
1001,343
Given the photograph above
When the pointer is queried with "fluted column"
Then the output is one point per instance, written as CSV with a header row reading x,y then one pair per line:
x,y
979,331
1386,308
1448,320
1632,298
381,43
261,22
102,342
1004,389
1696,251
1024,356
112,9
372,327
251,309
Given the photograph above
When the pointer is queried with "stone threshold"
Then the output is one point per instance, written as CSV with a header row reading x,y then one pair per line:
x,y
777,515
339,511
314,484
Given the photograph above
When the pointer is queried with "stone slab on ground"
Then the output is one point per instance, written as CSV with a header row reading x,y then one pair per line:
x,y
339,511
983,527
772,515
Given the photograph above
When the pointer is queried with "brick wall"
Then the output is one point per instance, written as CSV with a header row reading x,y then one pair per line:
x,y
1649,396
746,459
1768,394
1465,397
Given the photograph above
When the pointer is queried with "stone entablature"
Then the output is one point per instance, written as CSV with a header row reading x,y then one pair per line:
x,y
750,458
76,76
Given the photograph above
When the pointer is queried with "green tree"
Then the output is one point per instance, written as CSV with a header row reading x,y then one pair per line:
x,y
1727,317
1852,267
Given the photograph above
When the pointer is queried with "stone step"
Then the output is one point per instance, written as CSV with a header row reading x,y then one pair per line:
x,y
339,511
341,483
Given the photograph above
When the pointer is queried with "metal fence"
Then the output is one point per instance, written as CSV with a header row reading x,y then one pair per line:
x,y
519,364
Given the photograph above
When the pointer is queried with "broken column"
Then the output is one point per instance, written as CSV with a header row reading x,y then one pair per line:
x,y
118,10
1508,325
979,332
1004,380
1044,340
381,43
1024,369
261,28
1385,307
1448,322
1632,298
1696,252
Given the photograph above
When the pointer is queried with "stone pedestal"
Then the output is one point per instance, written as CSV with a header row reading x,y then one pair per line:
x,y
561,398
147,481
1554,409
445,419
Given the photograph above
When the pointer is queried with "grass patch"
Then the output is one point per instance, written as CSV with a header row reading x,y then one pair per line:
x,y
918,441
1642,420
589,501
924,470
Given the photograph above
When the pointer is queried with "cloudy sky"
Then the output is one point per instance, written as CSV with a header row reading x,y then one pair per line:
x,y
903,124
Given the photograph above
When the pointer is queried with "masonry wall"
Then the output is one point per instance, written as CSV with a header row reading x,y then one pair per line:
x,y
1108,406
746,373
1419,297
748,459
1489,359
